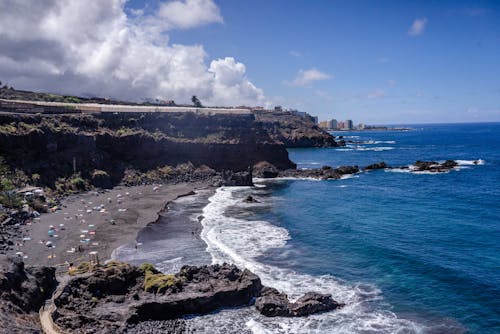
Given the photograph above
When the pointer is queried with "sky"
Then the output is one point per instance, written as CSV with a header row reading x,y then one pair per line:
x,y
376,62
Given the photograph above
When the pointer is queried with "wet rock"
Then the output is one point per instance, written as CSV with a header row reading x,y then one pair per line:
x,y
250,199
273,303
434,167
379,165
313,302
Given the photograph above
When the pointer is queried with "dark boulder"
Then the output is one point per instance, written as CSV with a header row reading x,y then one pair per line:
x,y
265,170
273,303
313,302
347,170
250,199
379,165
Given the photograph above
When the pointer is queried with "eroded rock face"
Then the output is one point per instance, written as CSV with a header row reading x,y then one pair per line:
x,y
22,293
273,303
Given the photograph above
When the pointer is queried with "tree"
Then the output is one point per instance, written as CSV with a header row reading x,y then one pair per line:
x,y
196,102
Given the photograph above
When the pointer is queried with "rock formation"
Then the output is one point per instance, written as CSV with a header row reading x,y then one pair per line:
x,y
273,303
118,297
294,130
22,293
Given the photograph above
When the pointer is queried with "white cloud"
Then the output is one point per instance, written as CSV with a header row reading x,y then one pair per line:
x,y
307,77
190,13
376,94
295,54
417,27
48,46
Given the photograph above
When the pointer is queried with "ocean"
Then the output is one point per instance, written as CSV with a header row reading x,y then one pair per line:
x,y
406,252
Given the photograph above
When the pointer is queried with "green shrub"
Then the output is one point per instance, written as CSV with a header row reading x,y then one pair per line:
x,y
148,267
158,283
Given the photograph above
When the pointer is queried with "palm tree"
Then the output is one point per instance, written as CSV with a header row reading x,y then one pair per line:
x,y
196,102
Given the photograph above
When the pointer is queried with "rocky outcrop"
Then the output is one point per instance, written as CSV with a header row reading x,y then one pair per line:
x,y
117,295
273,303
323,173
119,298
378,165
22,293
294,130
434,167
265,170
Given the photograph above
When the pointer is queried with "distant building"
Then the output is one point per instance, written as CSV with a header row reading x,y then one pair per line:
x,y
361,126
258,108
332,124
315,119
340,126
278,108
323,124
348,124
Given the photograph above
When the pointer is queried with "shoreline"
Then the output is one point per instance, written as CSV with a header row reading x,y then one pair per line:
x,y
98,222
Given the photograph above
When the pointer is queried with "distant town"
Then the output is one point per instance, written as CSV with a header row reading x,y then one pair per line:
x,y
332,124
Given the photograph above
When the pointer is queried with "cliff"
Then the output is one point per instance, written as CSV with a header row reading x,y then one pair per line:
x,y
294,130
49,144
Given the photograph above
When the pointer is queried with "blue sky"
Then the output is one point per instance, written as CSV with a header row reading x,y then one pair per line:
x,y
377,62
379,73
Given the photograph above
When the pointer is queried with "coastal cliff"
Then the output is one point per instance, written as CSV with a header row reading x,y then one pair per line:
x,y
57,145
294,130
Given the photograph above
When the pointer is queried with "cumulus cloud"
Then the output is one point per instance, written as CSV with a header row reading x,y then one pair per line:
x,y
417,27
307,77
190,13
93,48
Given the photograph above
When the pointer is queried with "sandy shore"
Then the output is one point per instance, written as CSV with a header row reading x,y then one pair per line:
x,y
97,221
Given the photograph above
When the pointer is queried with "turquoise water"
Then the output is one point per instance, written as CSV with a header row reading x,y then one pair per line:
x,y
430,243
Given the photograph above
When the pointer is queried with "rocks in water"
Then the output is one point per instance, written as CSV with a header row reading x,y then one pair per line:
x,y
313,302
250,199
433,166
324,173
265,170
273,303
379,165
118,298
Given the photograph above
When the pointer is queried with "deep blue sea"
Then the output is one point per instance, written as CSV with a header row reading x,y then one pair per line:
x,y
406,252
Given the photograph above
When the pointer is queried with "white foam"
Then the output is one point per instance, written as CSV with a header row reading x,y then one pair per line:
x,y
470,162
375,142
242,242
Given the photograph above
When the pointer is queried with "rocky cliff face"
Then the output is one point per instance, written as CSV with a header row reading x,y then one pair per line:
x,y
294,130
22,293
48,144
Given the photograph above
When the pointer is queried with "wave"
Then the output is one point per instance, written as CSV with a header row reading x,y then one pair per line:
x,y
374,142
244,242
363,148
470,162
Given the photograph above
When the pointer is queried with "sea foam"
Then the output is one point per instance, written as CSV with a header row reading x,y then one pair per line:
x,y
244,242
